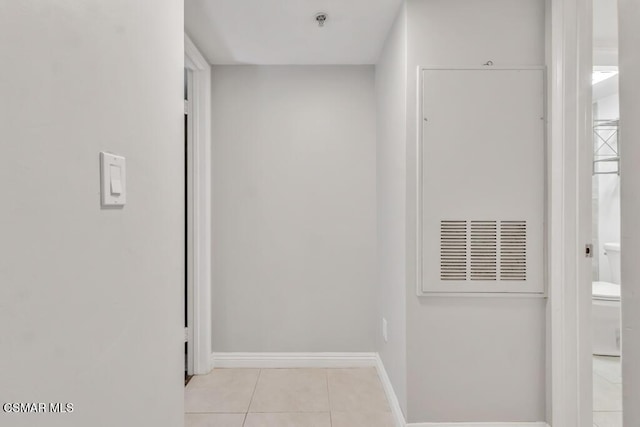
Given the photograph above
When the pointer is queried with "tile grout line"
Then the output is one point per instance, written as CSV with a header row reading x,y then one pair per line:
x,y
251,400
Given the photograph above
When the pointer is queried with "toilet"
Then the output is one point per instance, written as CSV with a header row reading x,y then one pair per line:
x,y
606,307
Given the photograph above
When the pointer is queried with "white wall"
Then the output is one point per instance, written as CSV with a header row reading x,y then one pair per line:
x,y
605,24
391,100
471,359
91,299
294,208
629,20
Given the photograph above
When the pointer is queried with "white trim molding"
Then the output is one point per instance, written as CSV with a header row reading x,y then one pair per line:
x,y
568,327
498,424
392,398
199,189
293,360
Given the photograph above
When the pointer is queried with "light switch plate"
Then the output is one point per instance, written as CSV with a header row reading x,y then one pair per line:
x,y
113,179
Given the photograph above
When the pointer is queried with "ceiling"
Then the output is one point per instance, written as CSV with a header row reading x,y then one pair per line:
x,y
286,32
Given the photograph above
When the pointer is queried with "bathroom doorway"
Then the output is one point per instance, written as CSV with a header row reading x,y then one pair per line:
x,y
606,283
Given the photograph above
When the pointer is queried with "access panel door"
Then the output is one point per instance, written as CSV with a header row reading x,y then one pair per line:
x,y
482,181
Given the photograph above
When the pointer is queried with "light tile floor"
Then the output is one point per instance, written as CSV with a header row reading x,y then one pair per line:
x,y
607,392
287,398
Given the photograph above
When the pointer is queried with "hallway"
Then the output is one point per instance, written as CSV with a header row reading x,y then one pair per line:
x,y
287,397
320,213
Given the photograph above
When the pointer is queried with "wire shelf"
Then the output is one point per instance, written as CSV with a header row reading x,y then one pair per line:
x,y
606,147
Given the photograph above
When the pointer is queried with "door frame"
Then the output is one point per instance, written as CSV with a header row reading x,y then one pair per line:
x,y
199,209
569,362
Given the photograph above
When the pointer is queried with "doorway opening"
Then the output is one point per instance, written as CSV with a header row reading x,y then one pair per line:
x,y
606,331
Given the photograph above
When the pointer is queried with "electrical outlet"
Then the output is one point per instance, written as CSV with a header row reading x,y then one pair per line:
x,y
385,336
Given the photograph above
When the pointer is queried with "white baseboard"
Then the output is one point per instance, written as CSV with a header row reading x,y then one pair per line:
x,y
517,424
293,360
396,410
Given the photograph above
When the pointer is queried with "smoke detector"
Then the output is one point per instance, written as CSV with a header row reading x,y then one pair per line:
x,y
321,17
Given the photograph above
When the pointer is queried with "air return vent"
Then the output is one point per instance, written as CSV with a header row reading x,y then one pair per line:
x,y
453,250
483,250
513,250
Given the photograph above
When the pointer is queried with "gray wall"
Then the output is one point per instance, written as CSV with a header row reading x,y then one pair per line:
x,y
471,359
391,100
91,299
294,222
629,19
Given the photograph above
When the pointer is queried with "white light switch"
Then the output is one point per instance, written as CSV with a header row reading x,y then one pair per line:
x,y
113,179
116,180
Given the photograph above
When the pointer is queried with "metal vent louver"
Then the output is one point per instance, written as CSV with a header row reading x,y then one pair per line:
x,y
483,250
453,250
513,250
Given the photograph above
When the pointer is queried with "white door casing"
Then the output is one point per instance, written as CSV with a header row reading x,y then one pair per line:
x,y
199,220
569,213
